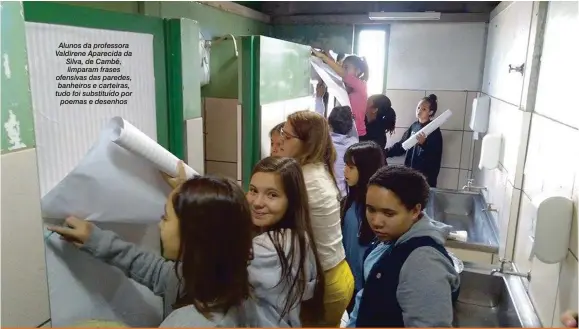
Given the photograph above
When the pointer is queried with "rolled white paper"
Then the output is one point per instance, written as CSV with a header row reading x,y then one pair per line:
x,y
427,130
132,139
332,80
117,181
458,236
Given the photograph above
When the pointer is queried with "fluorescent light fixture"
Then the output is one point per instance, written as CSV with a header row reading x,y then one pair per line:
x,y
402,16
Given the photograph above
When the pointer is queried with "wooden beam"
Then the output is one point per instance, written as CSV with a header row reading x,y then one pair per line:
x,y
363,19
237,9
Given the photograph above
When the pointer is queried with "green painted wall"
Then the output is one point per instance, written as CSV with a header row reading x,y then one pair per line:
x,y
335,37
190,69
129,7
214,23
17,118
284,70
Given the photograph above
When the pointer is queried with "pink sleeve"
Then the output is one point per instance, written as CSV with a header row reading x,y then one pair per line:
x,y
354,83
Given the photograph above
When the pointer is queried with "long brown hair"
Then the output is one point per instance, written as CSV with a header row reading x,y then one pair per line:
x,y
296,218
314,132
216,239
368,157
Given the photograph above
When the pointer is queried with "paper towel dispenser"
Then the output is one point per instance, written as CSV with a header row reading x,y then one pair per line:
x,y
479,120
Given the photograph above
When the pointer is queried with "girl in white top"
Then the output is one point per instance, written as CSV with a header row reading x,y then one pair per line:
x,y
306,137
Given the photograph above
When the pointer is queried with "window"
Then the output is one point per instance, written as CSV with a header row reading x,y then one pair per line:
x,y
371,44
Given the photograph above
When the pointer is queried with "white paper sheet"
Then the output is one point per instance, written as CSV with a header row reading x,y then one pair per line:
x,y
81,287
118,181
428,129
332,80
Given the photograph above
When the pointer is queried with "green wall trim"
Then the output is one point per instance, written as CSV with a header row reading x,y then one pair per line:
x,y
17,131
336,37
174,83
214,23
54,13
250,107
190,69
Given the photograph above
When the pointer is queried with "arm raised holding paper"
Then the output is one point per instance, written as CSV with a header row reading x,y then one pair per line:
x,y
203,270
147,268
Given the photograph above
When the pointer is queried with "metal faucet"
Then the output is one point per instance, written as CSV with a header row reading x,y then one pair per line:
x,y
469,187
503,271
489,208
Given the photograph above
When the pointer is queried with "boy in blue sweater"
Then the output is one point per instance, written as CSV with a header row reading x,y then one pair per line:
x,y
410,280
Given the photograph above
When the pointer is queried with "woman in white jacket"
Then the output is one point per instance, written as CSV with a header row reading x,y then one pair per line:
x,y
306,137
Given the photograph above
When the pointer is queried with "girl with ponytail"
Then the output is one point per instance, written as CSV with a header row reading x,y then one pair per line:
x,y
426,155
354,73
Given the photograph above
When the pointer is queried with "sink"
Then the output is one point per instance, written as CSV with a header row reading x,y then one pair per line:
x,y
464,212
487,301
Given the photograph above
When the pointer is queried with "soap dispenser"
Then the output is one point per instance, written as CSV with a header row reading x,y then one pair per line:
x,y
554,216
479,119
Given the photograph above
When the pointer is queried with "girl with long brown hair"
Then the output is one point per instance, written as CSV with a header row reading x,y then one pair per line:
x,y
206,233
306,138
285,271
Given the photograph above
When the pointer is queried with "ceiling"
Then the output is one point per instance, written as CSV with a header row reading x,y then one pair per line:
x,y
291,8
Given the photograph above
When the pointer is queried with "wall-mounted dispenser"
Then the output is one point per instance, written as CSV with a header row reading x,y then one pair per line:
x,y
490,151
479,120
552,228
205,50
204,47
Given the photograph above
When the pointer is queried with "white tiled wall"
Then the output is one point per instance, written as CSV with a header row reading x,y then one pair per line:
x,y
195,142
457,137
435,56
24,282
546,136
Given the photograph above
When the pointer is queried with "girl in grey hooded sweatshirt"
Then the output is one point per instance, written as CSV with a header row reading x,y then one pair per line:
x,y
244,279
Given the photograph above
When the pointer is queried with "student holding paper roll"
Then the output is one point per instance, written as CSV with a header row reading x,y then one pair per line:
x,y
279,268
354,73
206,233
426,155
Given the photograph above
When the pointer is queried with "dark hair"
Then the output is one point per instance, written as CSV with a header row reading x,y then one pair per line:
x,y
386,113
409,185
216,240
314,132
340,57
433,102
297,218
360,64
340,120
276,129
368,157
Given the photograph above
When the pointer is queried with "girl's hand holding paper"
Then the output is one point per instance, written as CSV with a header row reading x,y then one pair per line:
x,y
175,182
76,231
421,138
